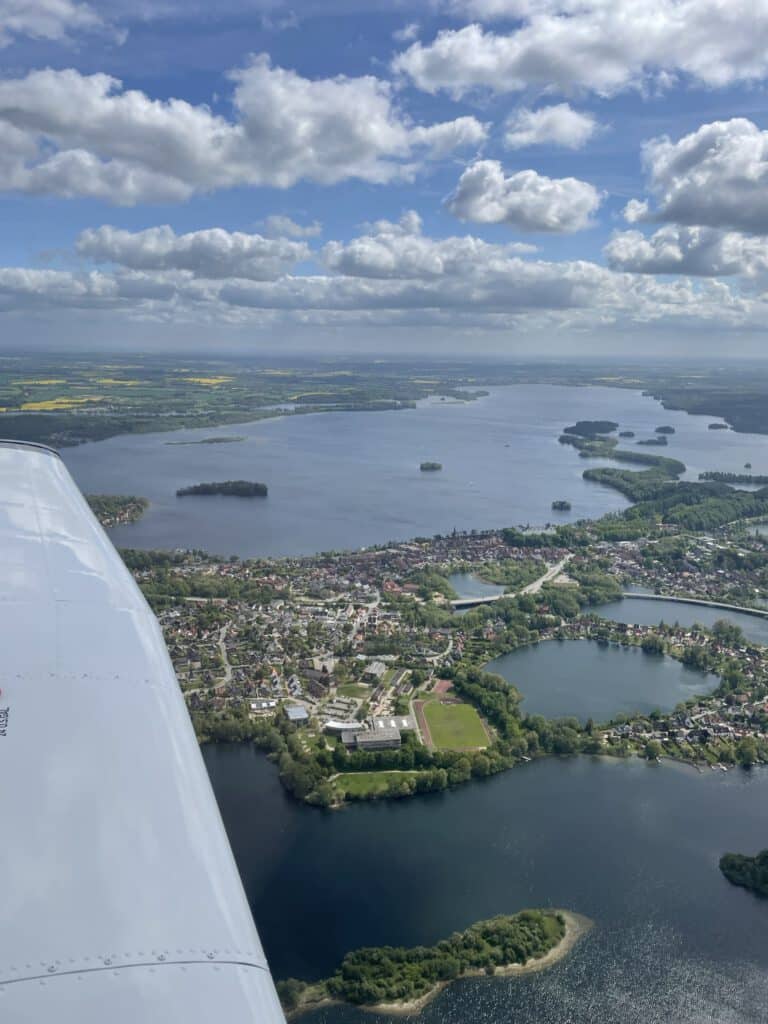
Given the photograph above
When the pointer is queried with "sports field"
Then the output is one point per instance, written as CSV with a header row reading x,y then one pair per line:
x,y
455,726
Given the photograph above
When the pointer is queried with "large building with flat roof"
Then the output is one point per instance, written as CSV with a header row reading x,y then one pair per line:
x,y
379,739
371,739
297,714
404,723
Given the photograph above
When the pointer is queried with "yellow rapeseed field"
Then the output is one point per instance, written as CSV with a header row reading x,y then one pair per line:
x,y
209,381
58,404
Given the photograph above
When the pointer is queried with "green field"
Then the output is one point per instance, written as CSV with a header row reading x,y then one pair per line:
x,y
354,690
365,783
455,726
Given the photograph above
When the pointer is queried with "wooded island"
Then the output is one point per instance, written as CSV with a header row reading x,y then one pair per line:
x,y
397,979
230,488
749,872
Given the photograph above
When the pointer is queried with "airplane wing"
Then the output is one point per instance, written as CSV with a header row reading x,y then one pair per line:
x,y
120,901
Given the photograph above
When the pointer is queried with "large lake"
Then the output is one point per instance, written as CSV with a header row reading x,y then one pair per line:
x,y
584,679
631,845
347,480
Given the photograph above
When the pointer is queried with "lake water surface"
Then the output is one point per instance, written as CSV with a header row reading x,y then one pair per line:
x,y
650,613
351,479
633,846
466,584
560,678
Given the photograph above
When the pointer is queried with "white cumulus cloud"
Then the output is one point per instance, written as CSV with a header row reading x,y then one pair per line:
x,y
699,251
716,176
70,134
401,251
212,253
524,199
558,125
604,46
44,19
277,225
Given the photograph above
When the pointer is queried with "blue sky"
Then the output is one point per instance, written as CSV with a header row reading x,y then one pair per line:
x,y
509,176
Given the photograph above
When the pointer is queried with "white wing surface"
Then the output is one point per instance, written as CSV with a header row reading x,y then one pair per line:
x,y
120,901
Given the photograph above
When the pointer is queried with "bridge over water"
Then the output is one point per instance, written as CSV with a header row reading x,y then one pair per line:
x,y
761,613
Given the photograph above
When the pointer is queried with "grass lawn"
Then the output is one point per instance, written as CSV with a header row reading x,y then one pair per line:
x,y
362,783
354,690
455,726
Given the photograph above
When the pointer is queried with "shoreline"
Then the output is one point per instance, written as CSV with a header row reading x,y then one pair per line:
x,y
576,927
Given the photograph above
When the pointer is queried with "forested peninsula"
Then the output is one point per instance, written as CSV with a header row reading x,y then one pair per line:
x,y
230,488
117,509
734,478
395,979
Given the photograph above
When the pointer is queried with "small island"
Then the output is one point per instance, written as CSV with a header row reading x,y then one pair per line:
x,y
717,426
665,430
749,872
210,440
592,428
430,467
394,979
561,506
626,433
229,488
652,442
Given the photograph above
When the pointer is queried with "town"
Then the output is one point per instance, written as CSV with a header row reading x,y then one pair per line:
x,y
359,662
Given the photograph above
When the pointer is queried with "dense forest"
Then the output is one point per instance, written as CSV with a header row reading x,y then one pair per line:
x,y
743,406
395,974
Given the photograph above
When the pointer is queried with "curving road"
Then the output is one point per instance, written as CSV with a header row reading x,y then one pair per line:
x,y
531,588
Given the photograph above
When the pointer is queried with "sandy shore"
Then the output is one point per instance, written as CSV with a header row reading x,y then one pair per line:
x,y
576,927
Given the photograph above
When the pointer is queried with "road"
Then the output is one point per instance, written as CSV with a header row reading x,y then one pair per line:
x,y
220,683
549,575
530,588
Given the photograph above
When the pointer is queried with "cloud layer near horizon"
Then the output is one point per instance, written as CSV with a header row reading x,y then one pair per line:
x,y
393,274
